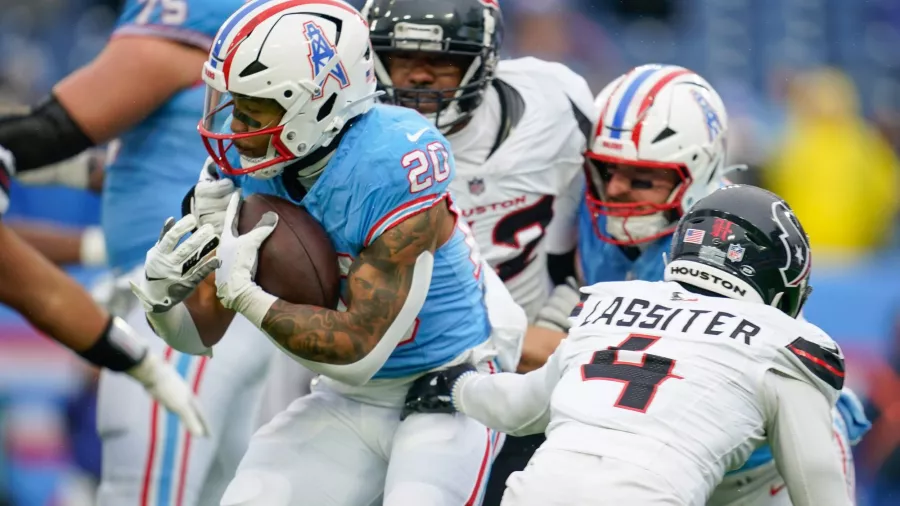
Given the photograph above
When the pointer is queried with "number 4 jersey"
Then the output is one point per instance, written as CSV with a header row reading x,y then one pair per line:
x,y
519,171
668,380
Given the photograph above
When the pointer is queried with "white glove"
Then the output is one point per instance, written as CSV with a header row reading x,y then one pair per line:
x,y
93,247
238,255
173,271
210,202
165,385
555,313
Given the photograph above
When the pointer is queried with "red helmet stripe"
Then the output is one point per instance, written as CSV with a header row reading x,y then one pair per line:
x,y
266,14
648,101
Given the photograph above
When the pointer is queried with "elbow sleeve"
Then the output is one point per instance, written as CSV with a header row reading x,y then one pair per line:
x,y
46,135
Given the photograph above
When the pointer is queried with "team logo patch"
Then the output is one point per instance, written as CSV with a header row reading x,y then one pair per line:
x,y
721,229
736,252
795,243
679,297
476,186
713,123
694,236
321,52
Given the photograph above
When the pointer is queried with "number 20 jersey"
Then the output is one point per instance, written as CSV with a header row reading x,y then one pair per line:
x,y
390,165
520,196
674,378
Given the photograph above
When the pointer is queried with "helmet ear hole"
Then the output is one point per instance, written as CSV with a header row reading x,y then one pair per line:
x,y
326,108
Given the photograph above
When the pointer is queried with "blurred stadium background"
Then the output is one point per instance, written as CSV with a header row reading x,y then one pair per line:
x,y
813,92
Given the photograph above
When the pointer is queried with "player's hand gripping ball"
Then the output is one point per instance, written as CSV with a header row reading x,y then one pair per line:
x,y
272,247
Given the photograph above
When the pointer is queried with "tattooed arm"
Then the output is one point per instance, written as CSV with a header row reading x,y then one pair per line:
x,y
384,282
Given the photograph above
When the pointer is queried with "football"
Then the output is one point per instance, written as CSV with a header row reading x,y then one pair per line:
x,y
297,262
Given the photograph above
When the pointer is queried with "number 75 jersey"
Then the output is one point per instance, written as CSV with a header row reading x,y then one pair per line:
x,y
392,164
674,374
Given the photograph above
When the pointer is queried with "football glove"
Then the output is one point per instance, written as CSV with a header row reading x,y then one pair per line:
x,y
433,392
555,313
238,255
172,271
164,384
210,201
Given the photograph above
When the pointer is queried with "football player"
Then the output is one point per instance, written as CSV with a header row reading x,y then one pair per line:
x,y
518,129
291,112
662,387
658,147
59,307
144,91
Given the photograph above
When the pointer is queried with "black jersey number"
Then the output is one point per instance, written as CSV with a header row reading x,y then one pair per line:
x,y
506,233
639,382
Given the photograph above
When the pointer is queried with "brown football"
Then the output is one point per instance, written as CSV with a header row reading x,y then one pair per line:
x,y
297,262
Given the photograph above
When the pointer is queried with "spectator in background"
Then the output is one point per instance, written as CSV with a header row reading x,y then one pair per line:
x,y
549,19
838,173
879,452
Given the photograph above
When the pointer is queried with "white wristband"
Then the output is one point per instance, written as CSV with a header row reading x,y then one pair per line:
x,y
255,304
93,247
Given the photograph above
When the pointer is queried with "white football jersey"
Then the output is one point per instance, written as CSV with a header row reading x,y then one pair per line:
x,y
675,378
519,177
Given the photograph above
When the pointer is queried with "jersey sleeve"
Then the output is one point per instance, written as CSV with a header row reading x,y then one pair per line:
x,y
799,429
516,404
816,359
191,22
408,175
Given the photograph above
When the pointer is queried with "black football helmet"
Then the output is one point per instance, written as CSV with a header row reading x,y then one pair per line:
x,y
743,242
467,28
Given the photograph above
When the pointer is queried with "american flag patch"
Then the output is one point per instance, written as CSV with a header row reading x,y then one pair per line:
x,y
694,236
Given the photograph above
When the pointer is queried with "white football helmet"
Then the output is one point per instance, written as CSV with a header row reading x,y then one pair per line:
x,y
657,117
312,57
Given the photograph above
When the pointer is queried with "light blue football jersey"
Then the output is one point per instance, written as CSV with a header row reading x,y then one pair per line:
x,y
391,164
159,159
601,262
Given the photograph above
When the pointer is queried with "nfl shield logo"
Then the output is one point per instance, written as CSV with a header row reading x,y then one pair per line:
x,y
735,252
476,186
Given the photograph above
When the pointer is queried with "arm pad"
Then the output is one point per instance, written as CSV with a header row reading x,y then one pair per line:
x,y
45,136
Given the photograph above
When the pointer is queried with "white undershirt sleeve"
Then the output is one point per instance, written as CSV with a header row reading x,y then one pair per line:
x,y
799,429
516,404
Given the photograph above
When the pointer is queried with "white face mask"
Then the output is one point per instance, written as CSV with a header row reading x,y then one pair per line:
x,y
636,228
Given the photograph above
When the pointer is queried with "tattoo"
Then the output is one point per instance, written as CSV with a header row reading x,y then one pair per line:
x,y
378,284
